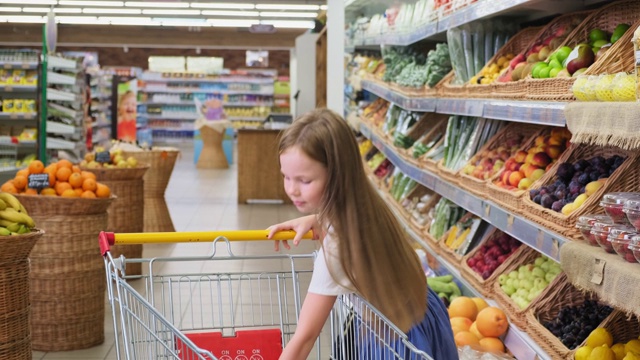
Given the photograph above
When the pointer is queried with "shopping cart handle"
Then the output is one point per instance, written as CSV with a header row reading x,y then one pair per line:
x,y
107,239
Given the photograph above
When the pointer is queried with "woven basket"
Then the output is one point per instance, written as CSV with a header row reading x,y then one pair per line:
x,y
517,315
417,227
625,178
15,334
509,132
562,295
156,214
606,18
74,271
515,45
448,253
450,176
439,125
126,214
448,90
621,60
486,286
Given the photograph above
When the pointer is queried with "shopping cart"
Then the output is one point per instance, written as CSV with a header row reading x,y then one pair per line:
x,y
186,308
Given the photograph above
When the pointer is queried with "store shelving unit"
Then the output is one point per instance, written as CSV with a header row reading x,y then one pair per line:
x,y
101,94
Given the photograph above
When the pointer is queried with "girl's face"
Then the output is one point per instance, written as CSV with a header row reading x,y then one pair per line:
x,y
128,106
304,179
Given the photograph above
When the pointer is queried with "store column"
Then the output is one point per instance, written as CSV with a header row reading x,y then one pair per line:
x,y
335,55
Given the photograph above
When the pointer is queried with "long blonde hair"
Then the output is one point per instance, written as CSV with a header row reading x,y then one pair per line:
x,y
373,247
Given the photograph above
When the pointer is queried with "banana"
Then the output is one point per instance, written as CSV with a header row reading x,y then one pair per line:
x,y
23,229
3,205
10,200
23,210
13,215
4,231
14,227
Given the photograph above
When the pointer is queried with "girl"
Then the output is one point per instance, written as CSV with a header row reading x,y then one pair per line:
x,y
364,248
127,113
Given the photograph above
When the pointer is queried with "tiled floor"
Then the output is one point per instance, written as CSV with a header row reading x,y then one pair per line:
x,y
201,200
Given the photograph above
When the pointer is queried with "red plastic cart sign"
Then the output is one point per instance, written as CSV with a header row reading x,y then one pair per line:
x,y
246,345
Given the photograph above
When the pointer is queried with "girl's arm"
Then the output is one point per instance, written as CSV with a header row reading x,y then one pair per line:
x,y
300,225
314,314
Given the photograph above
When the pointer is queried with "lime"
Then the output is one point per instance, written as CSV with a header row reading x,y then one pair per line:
x,y
535,71
618,32
599,43
562,53
544,72
597,34
555,64
554,72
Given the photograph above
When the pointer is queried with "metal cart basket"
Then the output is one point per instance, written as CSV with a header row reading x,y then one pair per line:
x,y
186,308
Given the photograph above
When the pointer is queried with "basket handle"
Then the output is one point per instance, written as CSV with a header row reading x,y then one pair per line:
x,y
107,239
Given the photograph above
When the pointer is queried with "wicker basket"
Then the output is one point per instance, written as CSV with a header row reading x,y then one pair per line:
x,y
126,214
562,295
15,332
448,90
621,60
449,254
509,132
485,286
450,176
517,315
439,126
156,214
515,45
606,18
625,178
75,271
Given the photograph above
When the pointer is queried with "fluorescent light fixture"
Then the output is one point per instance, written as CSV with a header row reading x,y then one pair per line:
x,y
222,6
13,9
111,11
288,14
137,21
91,3
289,24
231,23
323,7
67,10
286,7
156,4
182,22
22,19
77,20
46,10
230,13
170,12
31,2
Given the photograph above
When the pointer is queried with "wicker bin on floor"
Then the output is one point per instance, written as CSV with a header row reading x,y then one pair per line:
x,y
156,179
126,214
15,309
67,272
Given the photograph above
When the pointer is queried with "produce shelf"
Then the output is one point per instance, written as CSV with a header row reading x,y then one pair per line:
x,y
18,88
58,95
534,112
230,79
205,91
62,79
543,240
14,117
19,65
56,62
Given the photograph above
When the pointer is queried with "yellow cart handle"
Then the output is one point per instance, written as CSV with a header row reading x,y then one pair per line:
x,y
107,239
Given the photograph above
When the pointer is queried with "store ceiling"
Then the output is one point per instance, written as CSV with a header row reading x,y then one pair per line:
x,y
166,13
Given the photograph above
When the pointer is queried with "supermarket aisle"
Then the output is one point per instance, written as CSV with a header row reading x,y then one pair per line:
x,y
202,200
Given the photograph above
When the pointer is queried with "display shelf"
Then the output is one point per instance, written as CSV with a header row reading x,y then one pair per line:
x,y
405,102
543,240
18,88
247,104
464,107
191,117
59,95
56,62
17,116
167,103
62,79
96,125
229,80
54,127
19,65
247,118
61,144
205,91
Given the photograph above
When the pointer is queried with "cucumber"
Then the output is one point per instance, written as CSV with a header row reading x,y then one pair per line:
x,y
439,287
444,278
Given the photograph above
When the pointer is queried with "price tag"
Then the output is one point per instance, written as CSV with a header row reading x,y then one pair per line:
x,y
598,271
510,219
103,157
487,211
8,88
38,181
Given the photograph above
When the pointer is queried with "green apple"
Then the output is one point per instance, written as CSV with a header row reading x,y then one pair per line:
x,y
554,72
555,64
544,72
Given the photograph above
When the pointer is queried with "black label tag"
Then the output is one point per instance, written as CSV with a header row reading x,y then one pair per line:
x,y
38,181
103,157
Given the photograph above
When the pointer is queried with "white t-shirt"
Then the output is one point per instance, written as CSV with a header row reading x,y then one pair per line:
x,y
321,281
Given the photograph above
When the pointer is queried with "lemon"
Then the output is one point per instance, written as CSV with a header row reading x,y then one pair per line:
x,y
633,346
579,88
619,350
631,356
603,88
599,337
602,353
624,87
583,353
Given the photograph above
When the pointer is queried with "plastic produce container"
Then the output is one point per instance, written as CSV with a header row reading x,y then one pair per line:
x,y
613,204
632,210
620,239
634,247
601,232
585,224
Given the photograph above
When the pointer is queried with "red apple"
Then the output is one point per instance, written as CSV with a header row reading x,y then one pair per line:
x,y
541,159
554,151
505,176
520,156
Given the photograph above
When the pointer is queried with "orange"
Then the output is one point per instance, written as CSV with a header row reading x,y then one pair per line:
x,y
88,175
48,192
69,193
492,322
461,323
9,187
89,185
63,174
29,191
36,167
464,338
75,169
103,191
61,187
65,163
492,345
23,172
20,182
52,179
51,168
75,179
88,195
78,191
464,307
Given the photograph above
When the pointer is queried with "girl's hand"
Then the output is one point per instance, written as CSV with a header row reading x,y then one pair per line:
x,y
300,225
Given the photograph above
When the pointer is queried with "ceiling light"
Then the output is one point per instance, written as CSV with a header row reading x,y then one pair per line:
x,y
288,14
289,24
67,10
156,4
170,12
231,23
91,3
77,20
22,19
14,9
182,22
286,7
230,13
139,21
111,11
31,2
222,6
323,7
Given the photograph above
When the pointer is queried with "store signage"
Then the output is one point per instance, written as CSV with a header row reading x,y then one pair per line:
x,y
103,157
38,181
262,29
